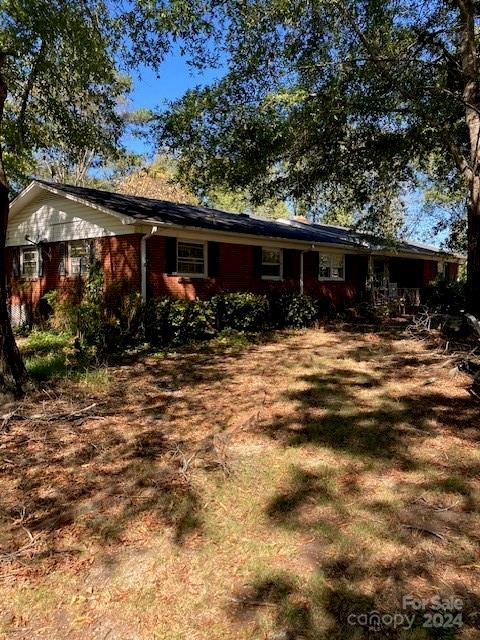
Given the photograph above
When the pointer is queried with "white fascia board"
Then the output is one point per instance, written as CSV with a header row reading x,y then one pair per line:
x,y
181,231
419,256
23,198
173,230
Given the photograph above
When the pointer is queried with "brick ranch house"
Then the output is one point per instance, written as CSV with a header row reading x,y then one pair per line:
x,y
56,230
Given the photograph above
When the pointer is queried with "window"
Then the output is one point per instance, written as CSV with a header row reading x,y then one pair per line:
x,y
332,267
271,264
79,257
29,262
191,258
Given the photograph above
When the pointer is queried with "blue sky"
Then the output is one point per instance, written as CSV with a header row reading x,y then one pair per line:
x,y
153,90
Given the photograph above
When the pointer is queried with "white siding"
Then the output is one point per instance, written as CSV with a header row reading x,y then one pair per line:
x,y
52,218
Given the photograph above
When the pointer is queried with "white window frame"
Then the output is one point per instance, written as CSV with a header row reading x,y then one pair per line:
x,y
330,256
280,251
37,271
68,257
205,258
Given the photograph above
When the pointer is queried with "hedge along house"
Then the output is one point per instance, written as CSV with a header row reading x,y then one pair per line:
x,y
56,231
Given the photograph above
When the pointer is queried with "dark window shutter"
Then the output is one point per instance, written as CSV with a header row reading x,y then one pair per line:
x,y
41,258
170,255
257,261
62,258
16,262
291,263
213,259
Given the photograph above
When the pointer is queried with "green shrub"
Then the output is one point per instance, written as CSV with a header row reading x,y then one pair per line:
x,y
103,319
240,311
171,321
292,310
447,297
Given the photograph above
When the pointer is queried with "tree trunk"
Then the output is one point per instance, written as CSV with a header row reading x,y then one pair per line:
x,y
12,369
471,98
473,257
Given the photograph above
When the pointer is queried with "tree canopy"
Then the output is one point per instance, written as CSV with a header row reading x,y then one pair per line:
x,y
59,96
340,102
65,94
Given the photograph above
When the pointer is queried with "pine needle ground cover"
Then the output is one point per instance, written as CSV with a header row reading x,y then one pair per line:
x,y
242,491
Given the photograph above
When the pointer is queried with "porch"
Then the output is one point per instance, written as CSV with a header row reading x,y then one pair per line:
x,y
399,280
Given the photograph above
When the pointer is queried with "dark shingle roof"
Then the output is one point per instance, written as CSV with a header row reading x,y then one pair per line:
x,y
146,209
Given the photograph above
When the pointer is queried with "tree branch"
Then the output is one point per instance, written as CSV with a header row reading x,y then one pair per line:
x,y
460,160
32,76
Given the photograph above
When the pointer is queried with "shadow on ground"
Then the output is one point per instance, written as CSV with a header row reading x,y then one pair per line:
x,y
389,510
85,480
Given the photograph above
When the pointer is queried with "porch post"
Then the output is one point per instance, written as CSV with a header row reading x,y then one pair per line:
x,y
386,272
369,283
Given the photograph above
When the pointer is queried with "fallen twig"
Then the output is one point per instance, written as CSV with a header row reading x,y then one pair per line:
x,y
43,417
8,557
252,603
424,530
184,461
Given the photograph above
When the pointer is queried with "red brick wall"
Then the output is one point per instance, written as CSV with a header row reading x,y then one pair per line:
x,y
120,258
236,273
118,255
235,269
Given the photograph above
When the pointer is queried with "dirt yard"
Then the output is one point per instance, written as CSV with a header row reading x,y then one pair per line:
x,y
270,492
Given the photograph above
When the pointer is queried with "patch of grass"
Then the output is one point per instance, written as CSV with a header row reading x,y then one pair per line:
x,y
45,358
46,367
93,379
43,342
235,340
454,484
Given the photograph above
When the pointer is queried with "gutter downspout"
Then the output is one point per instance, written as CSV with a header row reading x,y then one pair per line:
x,y
301,271
143,262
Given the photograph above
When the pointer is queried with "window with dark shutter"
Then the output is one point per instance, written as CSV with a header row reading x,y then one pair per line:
x,y
272,263
332,266
79,256
29,261
190,258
